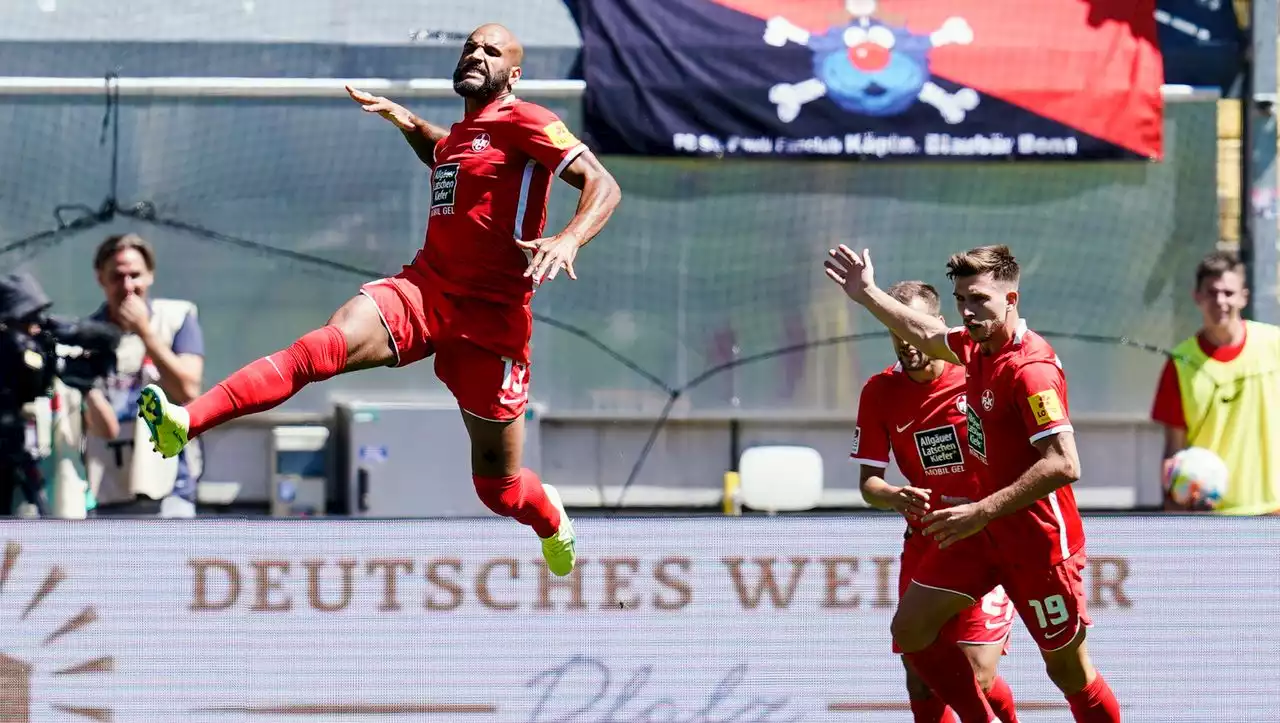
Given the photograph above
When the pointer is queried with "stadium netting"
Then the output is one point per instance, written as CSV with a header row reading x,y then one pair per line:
x,y
704,296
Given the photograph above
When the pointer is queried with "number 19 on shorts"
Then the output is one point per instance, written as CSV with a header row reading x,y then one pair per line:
x,y
1051,611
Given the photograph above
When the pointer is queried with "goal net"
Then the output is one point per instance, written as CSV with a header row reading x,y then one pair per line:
x,y
705,263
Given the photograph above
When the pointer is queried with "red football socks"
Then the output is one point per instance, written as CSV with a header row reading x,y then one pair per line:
x,y
1000,697
522,498
932,710
1095,704
269,381
946,670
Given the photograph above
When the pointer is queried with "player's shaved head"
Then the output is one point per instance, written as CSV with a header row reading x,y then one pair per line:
x,y
490,63
502,36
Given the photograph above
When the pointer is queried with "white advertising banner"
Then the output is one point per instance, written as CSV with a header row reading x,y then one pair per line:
x,y
673,619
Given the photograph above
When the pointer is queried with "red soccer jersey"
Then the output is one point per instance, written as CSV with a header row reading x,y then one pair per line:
x,y
490,184
922,425
1017,396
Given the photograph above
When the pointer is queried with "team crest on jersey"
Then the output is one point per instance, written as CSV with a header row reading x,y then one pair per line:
x,y
988,400
480,142
961,405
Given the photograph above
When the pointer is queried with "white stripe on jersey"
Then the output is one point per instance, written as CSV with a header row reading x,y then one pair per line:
x,y
568,158
1062,524
522,205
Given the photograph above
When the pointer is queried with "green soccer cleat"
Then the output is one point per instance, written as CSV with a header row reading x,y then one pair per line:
x,y
558,550
168,422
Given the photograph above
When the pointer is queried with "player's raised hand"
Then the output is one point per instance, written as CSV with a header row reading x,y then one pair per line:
x,y
911,502
394,112
549,256
950,525
852,271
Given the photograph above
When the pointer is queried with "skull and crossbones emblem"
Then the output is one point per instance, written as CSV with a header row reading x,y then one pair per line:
x,y
870,67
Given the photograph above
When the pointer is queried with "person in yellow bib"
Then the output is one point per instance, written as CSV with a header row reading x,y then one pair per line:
x,y
1220,390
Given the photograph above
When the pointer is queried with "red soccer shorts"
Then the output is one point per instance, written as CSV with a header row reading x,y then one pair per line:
x,y
1050,599
481,347
986,622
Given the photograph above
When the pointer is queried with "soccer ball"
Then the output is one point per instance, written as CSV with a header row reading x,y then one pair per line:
x,y
1197,474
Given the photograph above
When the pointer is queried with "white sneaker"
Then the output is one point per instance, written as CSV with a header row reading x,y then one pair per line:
x,y
172,506
558,550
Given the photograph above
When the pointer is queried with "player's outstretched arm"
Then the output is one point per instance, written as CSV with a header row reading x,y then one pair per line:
x,y
600,196
421,135
854,273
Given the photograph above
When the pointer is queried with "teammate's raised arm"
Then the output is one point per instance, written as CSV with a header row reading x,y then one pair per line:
x,y
421,135
854,273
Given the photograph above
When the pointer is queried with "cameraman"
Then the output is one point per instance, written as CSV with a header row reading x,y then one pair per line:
x,y
45,361
25,374
162,344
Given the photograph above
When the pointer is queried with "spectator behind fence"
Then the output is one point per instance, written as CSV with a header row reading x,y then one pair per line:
x,y
1221,391
162,345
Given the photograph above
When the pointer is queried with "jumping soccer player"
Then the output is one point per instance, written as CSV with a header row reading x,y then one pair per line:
x,y
916,411
464,298
1025,532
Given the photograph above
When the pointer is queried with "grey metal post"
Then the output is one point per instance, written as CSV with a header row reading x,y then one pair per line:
x,y
1259,240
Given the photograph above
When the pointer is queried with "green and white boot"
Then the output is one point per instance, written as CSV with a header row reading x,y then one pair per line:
x,y
558,550
167,421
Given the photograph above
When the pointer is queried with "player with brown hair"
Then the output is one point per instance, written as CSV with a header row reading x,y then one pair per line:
x,y
464,298
1025,532
1220,390
914,411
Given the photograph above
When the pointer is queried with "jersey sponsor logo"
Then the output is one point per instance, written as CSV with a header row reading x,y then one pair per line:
x,y
480,142
903,428
988,400
977,437
857,440
444,189
939,450
1046,406
560,135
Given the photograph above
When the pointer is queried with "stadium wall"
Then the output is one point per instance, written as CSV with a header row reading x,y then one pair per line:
x,y
693,619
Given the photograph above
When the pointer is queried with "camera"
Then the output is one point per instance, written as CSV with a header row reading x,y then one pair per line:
x,y
36,347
